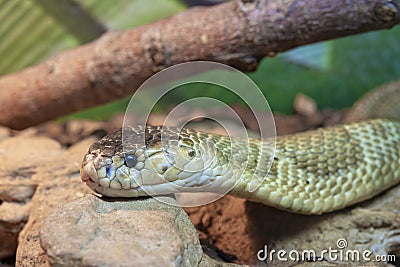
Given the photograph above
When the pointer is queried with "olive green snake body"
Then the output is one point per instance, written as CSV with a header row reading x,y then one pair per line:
x,y
312,172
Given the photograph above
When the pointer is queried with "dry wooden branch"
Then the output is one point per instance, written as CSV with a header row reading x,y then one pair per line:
x,y
238,33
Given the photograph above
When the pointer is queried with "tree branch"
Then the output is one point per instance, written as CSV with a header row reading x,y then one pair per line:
x,y
238,33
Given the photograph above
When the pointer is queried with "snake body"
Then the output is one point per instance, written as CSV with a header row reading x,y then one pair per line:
x,y
312,172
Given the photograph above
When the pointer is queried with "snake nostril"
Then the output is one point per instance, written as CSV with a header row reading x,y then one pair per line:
x,y
109,170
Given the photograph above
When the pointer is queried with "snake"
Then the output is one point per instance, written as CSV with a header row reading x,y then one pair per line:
x,y
311,172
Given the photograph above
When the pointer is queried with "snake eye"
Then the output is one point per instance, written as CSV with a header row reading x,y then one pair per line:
x,y
131,160
191,153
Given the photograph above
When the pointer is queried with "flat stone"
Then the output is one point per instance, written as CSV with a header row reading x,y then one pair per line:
x,y
96,232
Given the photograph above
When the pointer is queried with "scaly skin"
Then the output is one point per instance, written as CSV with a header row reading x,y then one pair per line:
x,y
310,173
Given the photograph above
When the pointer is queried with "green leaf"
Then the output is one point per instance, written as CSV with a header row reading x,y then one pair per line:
x,y
356,64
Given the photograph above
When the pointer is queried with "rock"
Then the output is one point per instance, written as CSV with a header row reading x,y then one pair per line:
x,y
286,124
79,149
13,217
96,232
224,223
206,261
67,133
21,159
4,133
240,229
307,107
60,184
167,232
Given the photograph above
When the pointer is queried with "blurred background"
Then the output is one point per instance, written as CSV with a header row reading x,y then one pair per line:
x,y
333,73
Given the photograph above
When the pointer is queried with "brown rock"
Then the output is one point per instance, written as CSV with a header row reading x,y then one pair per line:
x,y
60,184
286,124
225,225
206,261
13,217
239,229
95,232
67,133
22,158
4,133
305,105
79,149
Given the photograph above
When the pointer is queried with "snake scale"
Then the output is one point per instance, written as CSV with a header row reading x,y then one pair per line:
x,y
312,172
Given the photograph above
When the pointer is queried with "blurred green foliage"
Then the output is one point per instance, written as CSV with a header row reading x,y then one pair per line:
x,y
334,73
29,34
350,67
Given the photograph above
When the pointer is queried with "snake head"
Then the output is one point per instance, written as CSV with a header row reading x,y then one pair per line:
x,y
138,161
